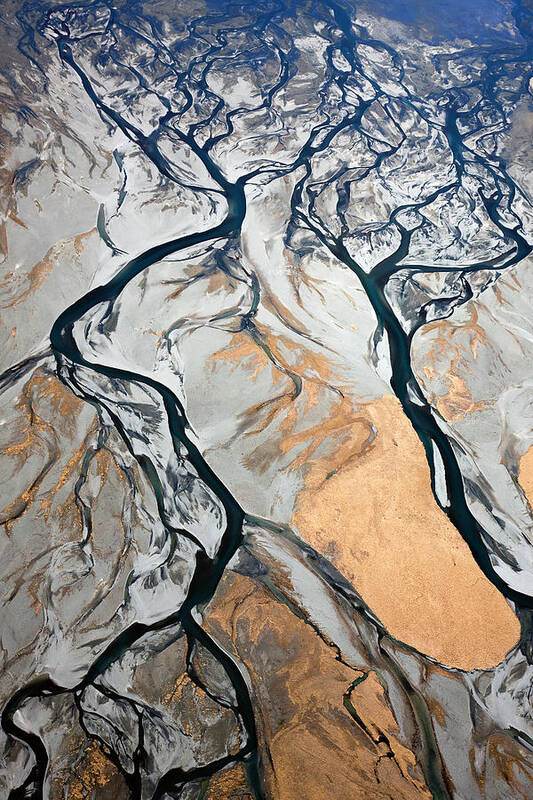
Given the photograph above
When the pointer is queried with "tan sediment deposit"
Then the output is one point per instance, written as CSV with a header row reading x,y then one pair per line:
x,y
229,784
314,744
525,474
93,775
447,351
376,519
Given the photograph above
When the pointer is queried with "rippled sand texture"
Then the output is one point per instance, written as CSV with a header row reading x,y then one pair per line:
x,y
266,426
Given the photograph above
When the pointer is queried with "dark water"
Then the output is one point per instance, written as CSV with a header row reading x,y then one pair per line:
x,y
266,27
